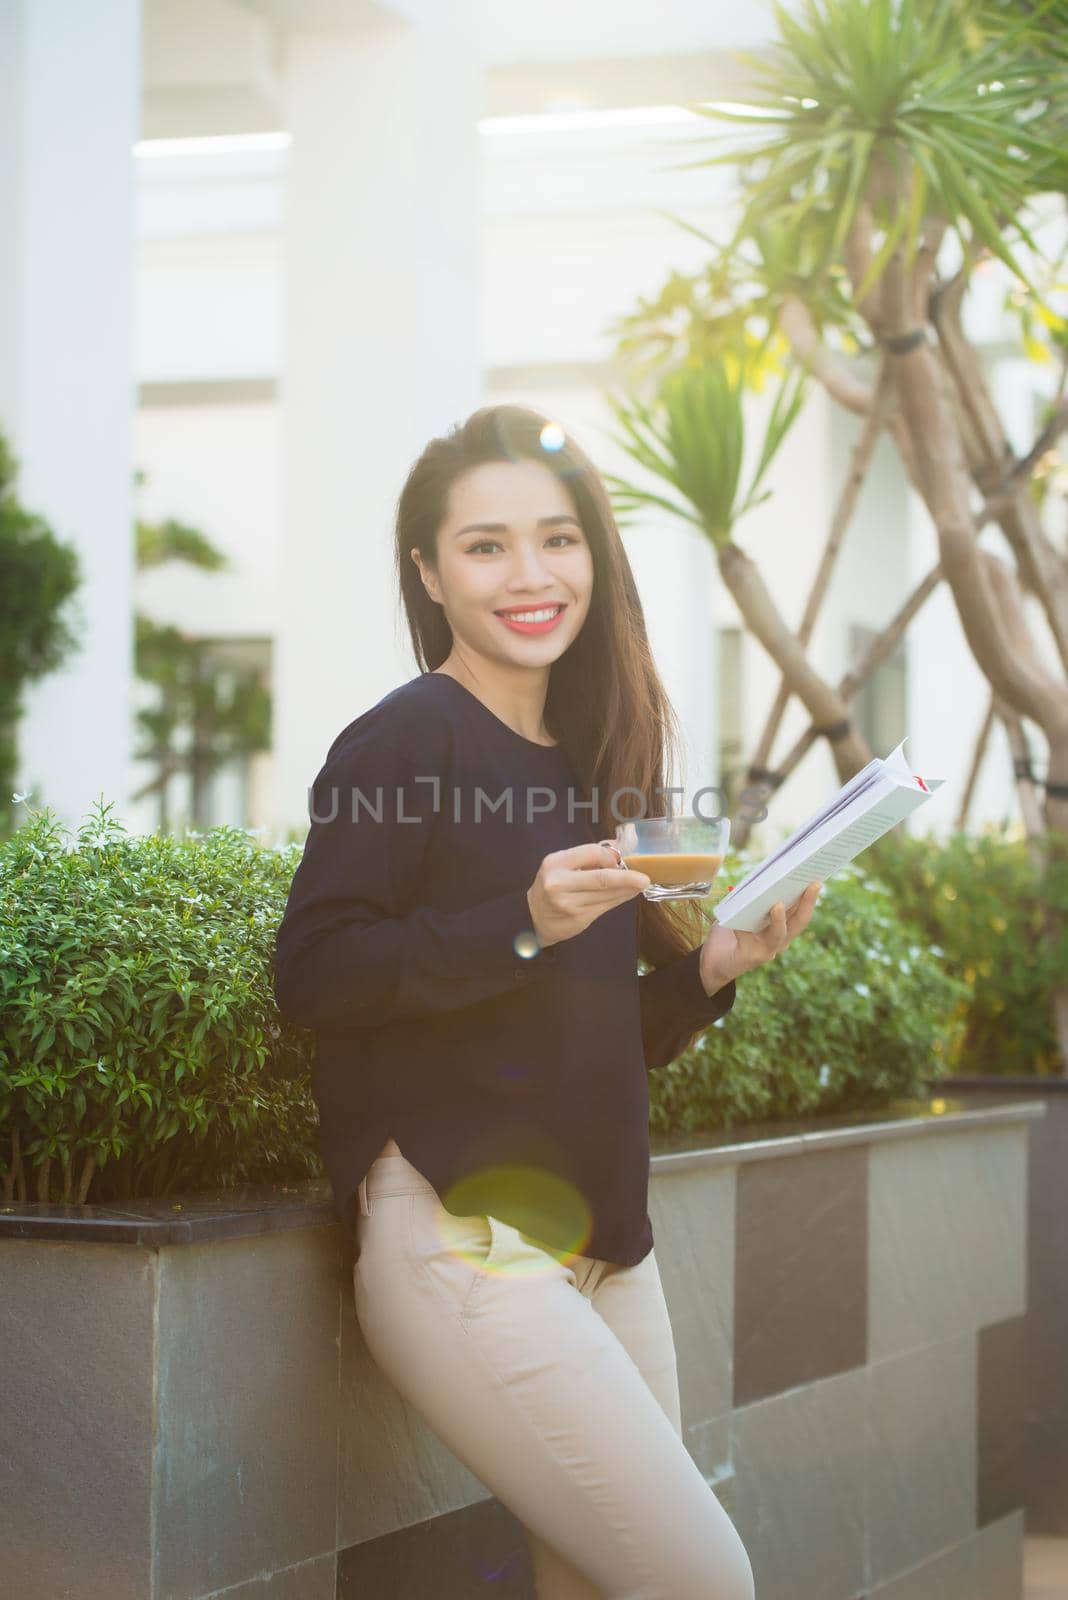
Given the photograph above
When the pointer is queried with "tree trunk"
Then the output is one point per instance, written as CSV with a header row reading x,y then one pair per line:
x,y
763,619
758,772
985,590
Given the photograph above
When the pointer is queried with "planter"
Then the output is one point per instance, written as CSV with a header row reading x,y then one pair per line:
x,y
188,1406
1046,1325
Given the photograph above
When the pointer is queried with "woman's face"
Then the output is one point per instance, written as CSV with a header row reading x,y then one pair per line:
x,y
512,541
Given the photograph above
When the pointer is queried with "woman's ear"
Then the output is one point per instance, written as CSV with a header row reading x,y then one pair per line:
x,y
430,582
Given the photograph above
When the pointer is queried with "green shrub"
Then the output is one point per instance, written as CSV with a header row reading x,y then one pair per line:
x,y
853,1016
979,897
142,1054
141,1051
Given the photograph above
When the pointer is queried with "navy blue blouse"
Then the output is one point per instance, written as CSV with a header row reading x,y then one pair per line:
x,y
512,1076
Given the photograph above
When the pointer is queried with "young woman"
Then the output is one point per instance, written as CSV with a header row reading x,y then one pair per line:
x,y
464,943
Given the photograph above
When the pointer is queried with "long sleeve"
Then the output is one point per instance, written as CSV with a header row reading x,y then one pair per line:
x,y
675,1007
355,947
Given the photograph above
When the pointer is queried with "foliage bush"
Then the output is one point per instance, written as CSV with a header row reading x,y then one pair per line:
x,y
142,1054
855,1015
141,1051
979,897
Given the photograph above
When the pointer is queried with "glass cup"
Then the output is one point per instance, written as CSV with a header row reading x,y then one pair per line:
x,y
681,855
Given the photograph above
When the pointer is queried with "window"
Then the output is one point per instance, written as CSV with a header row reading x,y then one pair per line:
x,y
205,721
880,708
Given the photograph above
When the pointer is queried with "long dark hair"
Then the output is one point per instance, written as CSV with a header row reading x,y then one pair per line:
x,y
605,703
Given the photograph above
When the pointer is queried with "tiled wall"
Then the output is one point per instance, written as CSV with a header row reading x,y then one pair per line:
x,y
847,1325
1044,1361
868,1314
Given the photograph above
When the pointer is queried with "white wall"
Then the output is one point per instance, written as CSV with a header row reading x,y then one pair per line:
x,y
231,497
568,240
553,29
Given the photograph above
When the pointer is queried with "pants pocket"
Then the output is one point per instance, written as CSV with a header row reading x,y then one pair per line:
x,y
456,1254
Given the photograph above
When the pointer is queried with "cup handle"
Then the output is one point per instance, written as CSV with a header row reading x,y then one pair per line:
x,y
611,845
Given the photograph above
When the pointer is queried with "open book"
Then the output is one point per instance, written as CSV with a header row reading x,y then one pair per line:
x,y
883,793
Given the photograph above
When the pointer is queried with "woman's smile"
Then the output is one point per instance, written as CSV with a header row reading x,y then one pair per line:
x,y
532,619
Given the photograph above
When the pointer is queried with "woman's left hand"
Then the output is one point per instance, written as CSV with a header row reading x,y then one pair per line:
x,y
726,954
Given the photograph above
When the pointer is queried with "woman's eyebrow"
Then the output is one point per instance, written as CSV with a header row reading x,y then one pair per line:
x,y
502,527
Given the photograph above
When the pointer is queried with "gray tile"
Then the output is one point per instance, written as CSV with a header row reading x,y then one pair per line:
x,y
999,1558
987,1566
311,1580
76,1413
710,1445
800,1280
1047,1408
922,1455
480,1550
693,1225
248,1390
949,1575
948,1236
798,1495
393,1470
1001,1398
725,1488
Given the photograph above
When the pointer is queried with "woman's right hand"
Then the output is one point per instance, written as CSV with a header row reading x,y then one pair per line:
x,y
574,887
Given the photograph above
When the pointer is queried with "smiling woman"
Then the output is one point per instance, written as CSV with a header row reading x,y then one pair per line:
x,y
483,1034
534,576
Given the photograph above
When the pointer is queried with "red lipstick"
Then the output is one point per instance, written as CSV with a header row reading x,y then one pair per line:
x,y
531,627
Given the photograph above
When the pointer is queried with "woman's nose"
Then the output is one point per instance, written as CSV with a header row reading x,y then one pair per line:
x,y
531,572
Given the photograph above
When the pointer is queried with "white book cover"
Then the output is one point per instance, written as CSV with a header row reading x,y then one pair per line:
x,y
881,794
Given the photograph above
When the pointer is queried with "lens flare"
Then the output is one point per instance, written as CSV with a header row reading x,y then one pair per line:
x,y
523,434
504,1249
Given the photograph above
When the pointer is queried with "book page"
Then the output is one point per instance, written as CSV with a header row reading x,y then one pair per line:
x,y
872,802
832,810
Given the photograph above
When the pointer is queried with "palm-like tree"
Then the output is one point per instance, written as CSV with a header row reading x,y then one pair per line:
x,y
891,146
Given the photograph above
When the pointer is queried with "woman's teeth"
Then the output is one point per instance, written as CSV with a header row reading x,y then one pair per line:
x,y
531,616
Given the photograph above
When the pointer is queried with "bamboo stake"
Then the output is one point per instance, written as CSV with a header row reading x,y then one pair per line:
x,y
977,761
863,451
1026,783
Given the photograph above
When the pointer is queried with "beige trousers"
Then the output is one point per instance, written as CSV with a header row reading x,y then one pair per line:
x,y
556,1384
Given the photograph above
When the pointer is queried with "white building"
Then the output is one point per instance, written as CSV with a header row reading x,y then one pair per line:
x,y
406,208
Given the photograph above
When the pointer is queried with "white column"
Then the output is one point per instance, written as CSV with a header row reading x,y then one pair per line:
x,y
69,116
380,349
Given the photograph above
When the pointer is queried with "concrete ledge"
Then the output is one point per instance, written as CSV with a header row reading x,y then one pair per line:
x,y
189,1408
243,1213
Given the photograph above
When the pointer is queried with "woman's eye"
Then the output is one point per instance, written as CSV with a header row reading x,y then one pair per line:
x,y
486,544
